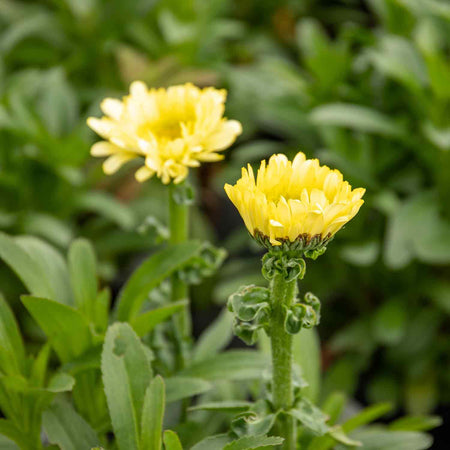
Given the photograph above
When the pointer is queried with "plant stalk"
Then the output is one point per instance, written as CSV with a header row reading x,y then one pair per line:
x,y
179,232
282,294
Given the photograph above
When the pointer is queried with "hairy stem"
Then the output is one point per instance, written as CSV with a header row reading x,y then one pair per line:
x,y
179,232
282,294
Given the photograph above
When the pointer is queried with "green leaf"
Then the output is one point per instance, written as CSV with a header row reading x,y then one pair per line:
x,y
337,433
53,267
145,322
333,406
61,382
231,406
49,228
229,365
416,229
66,329
216,337
178,388
366,416
7,444
83,270
39,367
212,442
398,58
107,206
126,373
416,423
356,117
253,442
8,429
25,267
150,274
171,441
389,322
66,428
152,415
12,351
306,352
376,438
310,416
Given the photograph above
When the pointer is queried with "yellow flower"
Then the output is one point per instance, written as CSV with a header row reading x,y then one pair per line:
x,y
294,202
172,129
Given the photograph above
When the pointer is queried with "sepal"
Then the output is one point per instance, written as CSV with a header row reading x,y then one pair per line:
x,y
203,265
290,267
302,315
251,307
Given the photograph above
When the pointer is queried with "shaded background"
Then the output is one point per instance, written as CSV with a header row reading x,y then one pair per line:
x,y
363,85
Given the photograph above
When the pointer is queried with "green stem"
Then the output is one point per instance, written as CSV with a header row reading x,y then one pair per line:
x,y
179,232
282,294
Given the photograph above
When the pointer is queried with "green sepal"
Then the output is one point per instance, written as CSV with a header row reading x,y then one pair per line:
x,y
252,309
289,266
248,301
204,264
302,315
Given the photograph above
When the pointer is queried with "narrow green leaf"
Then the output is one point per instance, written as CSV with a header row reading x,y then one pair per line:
x,y
61,382
234,406
8,429
39,367
310,416
377,438
101,309
366,416
152,415
337,433
333,406
12,351
356,117
7,444
416,423
178,388
145,322
150,273
51,229
26,268
53,266
216,337
216,442
83,270
126,374
306,352
107,206
253,442
66,428
229,365
171,441
66,329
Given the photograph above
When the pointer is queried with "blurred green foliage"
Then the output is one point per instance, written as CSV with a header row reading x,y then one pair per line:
x,y
364,86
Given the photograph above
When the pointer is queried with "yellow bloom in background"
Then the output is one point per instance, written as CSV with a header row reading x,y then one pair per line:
x,y
172,129
299,201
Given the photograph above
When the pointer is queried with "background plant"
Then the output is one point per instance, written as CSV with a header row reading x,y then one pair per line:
x,y
363,85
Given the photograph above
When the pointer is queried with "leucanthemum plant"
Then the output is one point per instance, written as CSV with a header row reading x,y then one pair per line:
x,y
293,209
170,130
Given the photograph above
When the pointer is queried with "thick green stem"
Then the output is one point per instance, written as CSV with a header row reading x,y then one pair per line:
x,y
282,294
179,232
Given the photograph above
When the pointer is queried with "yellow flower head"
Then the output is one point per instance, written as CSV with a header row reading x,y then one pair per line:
x,y
172,129
300,203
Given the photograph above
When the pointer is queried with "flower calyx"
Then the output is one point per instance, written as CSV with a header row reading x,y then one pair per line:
x,y
290,266
305,314
251,307
204,264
